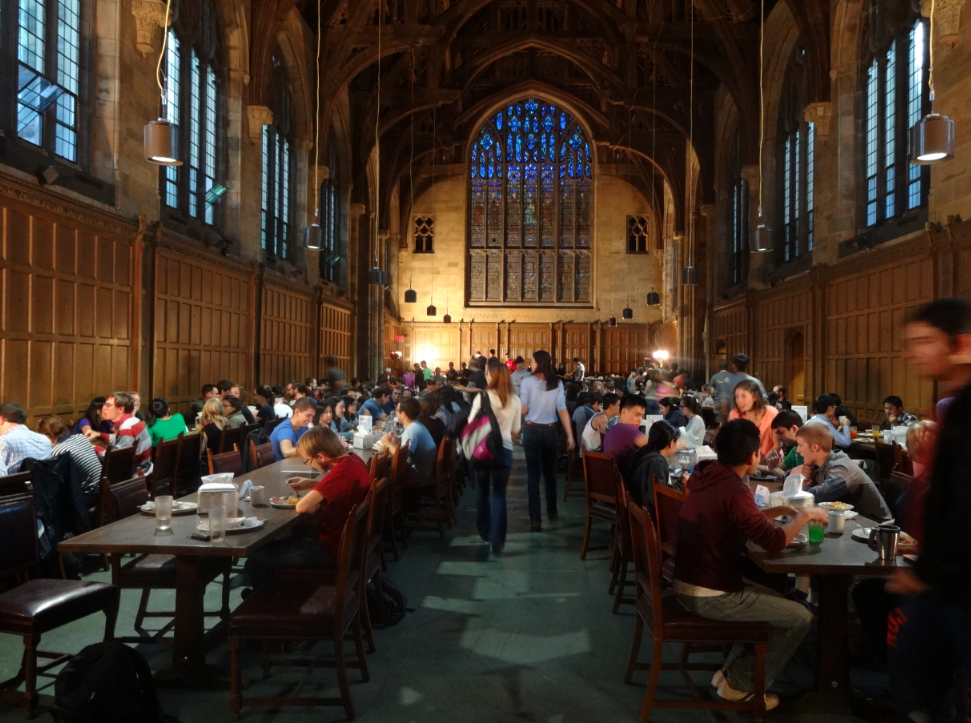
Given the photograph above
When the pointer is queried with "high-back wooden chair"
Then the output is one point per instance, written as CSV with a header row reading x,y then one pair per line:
x,y
434,499
572,457
394,527
15,484
225,462
165,466
600,493
118,464
668,622
374,563
262,454
187,476
624,557
667,511
886,459
271,424
231,439
380,467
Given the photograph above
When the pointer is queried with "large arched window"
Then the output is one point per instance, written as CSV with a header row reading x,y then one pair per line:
x,y
42,68
194,100
530,208
797,142
278,165
738,221
895,97
331,220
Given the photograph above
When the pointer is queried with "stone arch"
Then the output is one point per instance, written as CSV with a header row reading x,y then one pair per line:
x,y
236,38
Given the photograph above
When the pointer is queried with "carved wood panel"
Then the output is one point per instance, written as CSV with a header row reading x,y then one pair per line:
x,y
286,338
524,339
777,319
436,344
336,337
576,343
624,348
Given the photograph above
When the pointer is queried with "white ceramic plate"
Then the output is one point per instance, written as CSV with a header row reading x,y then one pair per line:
x,y
862,534
232,526
178,508
276,502
834,506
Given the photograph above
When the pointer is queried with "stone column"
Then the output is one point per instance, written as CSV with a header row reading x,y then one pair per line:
x,y
710,281
827,165
754,261
357,283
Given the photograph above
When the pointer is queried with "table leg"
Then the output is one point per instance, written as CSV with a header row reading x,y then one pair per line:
x,y
833,675
193,574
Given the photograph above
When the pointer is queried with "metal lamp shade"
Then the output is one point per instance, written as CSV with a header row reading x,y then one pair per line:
x,y
411,296
628,313
376,277
447,319
431,310
312,236
932,140
763,239
653,298
160,143
612,321
689,276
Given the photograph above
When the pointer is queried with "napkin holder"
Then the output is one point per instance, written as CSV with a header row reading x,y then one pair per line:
x,y
365,440
213,489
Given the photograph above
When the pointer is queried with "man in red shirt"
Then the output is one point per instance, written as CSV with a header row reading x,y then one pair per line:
x,y
719,518
344,486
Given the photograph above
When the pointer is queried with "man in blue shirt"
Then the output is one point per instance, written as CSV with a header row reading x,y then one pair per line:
x,y
422,452
286,435
17,443
375,405
825,408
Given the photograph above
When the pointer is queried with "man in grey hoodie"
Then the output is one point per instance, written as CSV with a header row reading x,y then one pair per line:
x,y
836,476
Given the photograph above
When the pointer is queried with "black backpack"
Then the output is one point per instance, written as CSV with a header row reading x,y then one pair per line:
x,y
106,683
388,607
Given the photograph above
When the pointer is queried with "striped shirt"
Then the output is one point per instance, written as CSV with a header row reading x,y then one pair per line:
x,y
18,444
132,432
86,461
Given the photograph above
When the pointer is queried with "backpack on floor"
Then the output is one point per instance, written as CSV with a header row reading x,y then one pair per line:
x,y
388,607
106,683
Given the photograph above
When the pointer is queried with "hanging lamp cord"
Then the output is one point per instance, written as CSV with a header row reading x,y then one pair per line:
x,y
161,55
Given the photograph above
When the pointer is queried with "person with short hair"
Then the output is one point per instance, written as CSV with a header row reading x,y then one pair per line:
x,y
580,371
785,425
825,409
233,412
738,366
893,407
718,521
834,477
288,432
430,404
625,438
82,453
519,373
281,407
649,464
129,431
585,411
422,452
782,398
17,442
596,427
376,404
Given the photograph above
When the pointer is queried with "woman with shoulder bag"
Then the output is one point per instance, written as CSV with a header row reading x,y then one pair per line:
x,y
543,403
504,410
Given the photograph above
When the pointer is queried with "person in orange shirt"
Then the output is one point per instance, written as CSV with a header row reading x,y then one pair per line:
x,y
750,404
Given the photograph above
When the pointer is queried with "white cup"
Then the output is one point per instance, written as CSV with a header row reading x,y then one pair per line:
x,y
837,519
256,495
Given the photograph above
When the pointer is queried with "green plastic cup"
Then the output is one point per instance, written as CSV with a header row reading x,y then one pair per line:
x,y
816,532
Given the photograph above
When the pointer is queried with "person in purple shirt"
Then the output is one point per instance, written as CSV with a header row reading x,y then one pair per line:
x,y
625,438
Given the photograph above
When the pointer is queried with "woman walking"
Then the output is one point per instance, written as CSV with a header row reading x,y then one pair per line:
x,y
494,475
543,401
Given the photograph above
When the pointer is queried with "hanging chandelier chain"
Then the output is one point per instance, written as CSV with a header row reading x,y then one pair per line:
x,y
761,99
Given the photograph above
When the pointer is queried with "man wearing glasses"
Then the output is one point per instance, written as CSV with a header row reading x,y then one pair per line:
x,y
130,431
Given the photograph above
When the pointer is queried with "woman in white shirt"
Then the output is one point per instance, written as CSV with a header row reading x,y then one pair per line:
x,y
494,475
694,430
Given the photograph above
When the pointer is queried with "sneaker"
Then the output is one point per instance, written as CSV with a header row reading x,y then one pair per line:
x,y
536,527
727,692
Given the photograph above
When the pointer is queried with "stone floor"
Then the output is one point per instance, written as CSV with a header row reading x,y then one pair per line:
x,y
525,637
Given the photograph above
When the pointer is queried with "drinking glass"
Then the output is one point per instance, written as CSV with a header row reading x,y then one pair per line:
x,y
163,513
816,532
853,432
217,522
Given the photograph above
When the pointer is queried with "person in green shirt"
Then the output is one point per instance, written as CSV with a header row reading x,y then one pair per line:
x,y
162,424
208,392
785,425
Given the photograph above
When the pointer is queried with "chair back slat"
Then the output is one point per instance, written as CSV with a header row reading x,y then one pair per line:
x,y
353,552
443,463
231,439
18,520
226,462
598,473
399,465
118,464
886,459
15,484
380,467
187,476
127,497
667,506
165,465
647,562
262,454
272,424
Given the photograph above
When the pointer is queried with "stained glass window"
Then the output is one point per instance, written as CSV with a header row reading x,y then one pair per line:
x,y
530,207
278,142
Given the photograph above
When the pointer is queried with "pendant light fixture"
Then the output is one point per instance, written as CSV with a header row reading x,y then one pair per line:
x,y
689,274
313,234
447,319
431,310
931,138
628,313
763,234
160,139
411,296
653,298
612,321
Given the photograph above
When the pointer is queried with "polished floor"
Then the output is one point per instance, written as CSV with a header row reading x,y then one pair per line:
x,y
525,637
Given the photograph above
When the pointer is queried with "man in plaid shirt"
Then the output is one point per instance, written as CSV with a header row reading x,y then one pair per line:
x,y
17,443
129,431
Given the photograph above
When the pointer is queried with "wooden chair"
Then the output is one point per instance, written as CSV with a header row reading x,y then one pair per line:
x,y
165,466
668,622
307,611
380,467
262,454
225,462
711,434
433,499
600,492
865,425
15,484
903,463
149,572
625,554
272,424
118,464
394,518
36,607
667,508
374,562
886,460
572,456
231,439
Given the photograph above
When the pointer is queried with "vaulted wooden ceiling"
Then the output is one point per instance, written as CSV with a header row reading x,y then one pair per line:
x,y
625,65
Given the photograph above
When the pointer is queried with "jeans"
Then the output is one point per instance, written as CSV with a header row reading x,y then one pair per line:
x,y
491,517
788,624
927,643
541,446
288,552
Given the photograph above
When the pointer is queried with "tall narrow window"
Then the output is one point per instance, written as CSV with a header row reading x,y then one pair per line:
x,y
193,99
739,212
47,68
530,201
895,97
796,164
330,221
278,140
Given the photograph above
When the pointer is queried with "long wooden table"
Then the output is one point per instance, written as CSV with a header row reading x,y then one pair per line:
x,y
832,564
198,563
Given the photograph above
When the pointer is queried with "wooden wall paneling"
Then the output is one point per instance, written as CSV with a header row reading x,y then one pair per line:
x,y
286,351
392,329
336,337
66,299
202,323
778,317
436,344
576,343
625,347
729,328
485,336
524,339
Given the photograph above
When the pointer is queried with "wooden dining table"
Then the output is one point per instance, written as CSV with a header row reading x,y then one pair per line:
x,y
198,562
832,565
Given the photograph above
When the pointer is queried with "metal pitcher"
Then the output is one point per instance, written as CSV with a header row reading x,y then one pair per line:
x,y
884,539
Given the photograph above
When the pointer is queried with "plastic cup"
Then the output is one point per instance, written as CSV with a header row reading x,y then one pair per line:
x,y
853,432
217,523
163,513
816,532
837,519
